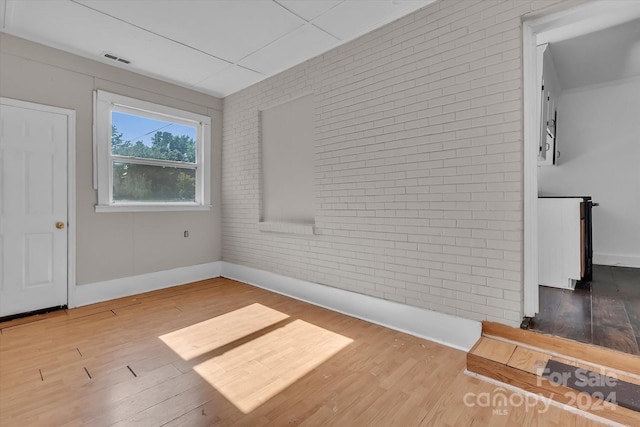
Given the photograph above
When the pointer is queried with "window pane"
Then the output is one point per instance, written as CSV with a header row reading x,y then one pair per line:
x,y
143,183
138,136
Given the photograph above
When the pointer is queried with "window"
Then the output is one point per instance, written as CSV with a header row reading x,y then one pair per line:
x,y
150,157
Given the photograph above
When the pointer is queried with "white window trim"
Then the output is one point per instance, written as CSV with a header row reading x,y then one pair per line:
x,y
104,104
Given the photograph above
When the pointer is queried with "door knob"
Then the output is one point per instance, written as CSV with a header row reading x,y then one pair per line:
x,y
59,225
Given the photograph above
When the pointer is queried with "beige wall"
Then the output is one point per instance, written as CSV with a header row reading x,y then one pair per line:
x,y
115,245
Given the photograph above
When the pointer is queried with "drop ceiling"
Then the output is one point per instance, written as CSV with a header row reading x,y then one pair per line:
x,y
212,46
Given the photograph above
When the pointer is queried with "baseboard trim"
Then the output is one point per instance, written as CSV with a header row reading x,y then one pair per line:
x,y
452,331
616,260
126,286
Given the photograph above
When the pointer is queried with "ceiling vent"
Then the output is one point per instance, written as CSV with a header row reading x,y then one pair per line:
x,y
116,58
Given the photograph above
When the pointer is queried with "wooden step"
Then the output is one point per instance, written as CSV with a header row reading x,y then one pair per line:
x,y
518,358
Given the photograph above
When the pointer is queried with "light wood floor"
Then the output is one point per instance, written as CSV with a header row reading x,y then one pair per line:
x,y
223,353
519,358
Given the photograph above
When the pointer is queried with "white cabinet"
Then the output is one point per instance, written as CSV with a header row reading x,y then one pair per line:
x,y
559,242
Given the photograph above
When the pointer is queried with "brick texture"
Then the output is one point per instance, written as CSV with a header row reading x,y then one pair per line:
x,y
418,163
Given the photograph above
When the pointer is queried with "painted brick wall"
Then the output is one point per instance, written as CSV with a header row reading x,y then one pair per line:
x,y
418,166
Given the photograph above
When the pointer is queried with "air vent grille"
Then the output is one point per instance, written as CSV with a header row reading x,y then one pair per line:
x,y
116,58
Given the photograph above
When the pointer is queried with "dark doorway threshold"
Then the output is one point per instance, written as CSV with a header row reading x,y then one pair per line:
x,y
607,315
32,313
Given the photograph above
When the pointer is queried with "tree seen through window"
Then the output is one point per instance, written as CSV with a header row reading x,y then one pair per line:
x,y
133,180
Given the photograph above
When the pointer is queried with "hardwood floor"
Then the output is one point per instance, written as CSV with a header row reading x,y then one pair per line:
x,y
526,359
607,315
223,353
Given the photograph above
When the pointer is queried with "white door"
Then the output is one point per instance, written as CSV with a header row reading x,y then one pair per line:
x,y
33,208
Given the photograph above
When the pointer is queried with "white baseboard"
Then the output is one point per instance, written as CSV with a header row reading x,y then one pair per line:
x,y
118,288
452,331
616,260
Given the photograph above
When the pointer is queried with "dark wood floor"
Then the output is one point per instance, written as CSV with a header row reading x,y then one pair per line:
x,y
607,315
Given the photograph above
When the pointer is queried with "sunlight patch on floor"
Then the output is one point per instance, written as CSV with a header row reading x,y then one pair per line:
x,y
252,373
203,337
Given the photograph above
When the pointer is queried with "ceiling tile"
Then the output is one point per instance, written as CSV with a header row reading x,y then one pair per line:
x,y
228,29
150,54
194,42
176,63
228,81
304,43
353,18
309,9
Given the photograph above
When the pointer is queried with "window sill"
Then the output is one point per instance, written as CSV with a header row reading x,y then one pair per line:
x,y
152,207
286,227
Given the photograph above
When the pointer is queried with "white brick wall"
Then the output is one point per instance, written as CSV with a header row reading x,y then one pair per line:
x,y
418,167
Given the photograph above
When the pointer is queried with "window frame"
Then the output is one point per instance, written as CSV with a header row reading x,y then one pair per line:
x,y
105,103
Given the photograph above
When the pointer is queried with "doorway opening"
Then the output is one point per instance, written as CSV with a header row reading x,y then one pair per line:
x,y
581,85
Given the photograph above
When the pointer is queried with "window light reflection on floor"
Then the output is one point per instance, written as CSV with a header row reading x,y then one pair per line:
x,y
203,337
252,372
